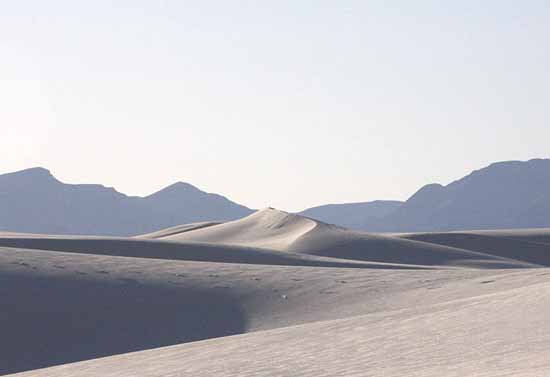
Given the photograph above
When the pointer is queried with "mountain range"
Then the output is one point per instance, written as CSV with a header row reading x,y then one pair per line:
x,y
512,194
34,201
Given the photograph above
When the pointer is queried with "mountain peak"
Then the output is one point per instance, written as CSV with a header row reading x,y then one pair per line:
x,y
182,186
510,163
176,189
31,175
34,171
274,218
39,169
426,193
92,209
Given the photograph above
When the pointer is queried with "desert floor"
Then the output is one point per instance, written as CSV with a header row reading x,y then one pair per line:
x,y
276,294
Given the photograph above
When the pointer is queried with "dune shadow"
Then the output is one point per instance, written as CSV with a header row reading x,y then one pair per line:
x,y
505,247
407,252
190,251
49,320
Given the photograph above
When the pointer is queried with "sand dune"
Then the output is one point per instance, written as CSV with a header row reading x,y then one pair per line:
x,y
71,307
273,294
276,237
538,235
485,334
178,229
268,228
184,251
278,230
527,245
346,244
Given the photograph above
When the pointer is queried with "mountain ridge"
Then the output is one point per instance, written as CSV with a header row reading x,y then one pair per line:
x,y
503,195
34,201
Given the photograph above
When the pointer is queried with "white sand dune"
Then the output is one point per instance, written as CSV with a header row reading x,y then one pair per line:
x,y
538,235
275,237
268,228
178,229
185,251
532,246
278,230
275,294
497,333
72,306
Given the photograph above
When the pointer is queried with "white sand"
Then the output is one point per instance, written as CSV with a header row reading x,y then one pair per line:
x,y
487,334
178,229
276,294
278,230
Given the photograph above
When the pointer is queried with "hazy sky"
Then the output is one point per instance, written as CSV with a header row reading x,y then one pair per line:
x,y
273,103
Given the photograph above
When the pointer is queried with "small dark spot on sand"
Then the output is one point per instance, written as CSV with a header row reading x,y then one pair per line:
x,y
487,281
181,275
102,272
59,267
21,264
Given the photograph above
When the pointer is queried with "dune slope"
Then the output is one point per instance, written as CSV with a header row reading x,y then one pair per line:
x,y
485,334
184,251
395,302
501,244
268,228
278,230
64,307
535,235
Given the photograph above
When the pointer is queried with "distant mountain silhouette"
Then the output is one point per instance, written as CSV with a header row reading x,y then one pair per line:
x,y
352,215
34,201
511,194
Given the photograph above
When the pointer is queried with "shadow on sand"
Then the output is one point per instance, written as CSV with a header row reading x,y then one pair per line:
x,y
50,319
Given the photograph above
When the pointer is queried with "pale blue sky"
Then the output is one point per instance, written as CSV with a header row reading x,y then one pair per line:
x,y
282,103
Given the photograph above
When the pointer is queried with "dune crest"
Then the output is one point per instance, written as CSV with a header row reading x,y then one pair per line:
x,y
268,228
291,233
178,229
